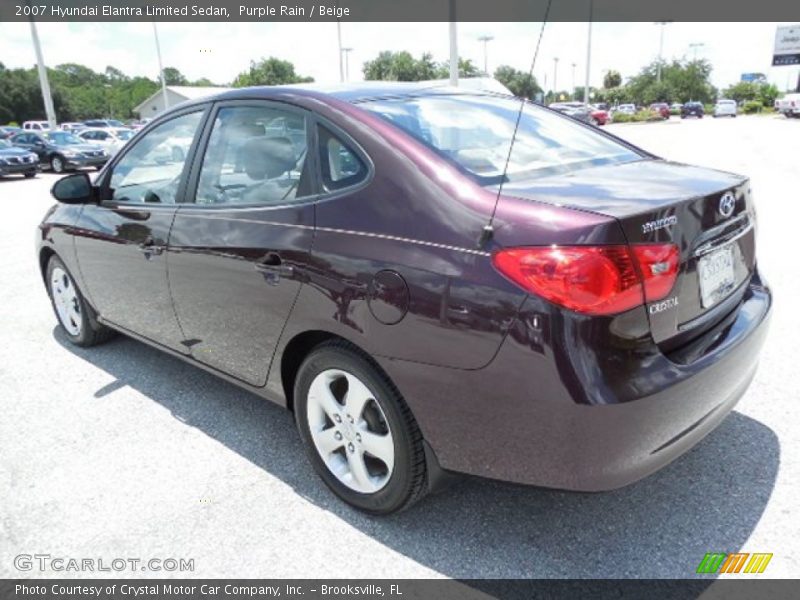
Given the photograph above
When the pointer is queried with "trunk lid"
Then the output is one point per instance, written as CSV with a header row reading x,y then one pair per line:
x,y
708,214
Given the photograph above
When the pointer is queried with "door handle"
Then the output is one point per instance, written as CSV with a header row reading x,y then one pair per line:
x,y
148,247
273,263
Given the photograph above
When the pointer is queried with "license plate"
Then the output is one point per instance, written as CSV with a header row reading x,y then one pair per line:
x,y
717,275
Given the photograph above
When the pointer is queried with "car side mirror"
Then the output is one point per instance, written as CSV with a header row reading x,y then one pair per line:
x,y
74,189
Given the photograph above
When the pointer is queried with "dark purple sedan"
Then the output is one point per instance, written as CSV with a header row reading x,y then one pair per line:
x,y
570,311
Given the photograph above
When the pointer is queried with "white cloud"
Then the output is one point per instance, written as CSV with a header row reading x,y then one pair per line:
x,y
221,50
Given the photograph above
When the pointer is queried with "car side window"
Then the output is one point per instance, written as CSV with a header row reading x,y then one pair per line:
x,y
255,155
151,170
340,166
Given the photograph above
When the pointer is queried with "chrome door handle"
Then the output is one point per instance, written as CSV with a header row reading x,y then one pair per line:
x,y
148,246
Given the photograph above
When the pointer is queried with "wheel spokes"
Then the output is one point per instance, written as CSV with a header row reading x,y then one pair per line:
x,y
359,472
356,398
379,446
350,431
328,441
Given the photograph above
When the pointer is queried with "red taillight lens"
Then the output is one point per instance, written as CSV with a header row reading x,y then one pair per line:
x,y
658,264
595,280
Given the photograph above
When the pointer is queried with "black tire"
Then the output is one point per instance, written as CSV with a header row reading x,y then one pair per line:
x,y
408,481
91,332
29,175
57,163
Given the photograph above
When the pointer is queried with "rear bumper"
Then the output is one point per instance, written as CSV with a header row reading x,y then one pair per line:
x,y
530,418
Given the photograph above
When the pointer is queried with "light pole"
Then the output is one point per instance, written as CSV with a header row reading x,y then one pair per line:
x,y
660,48
573,80
555,75
453,44
43,81
341,58
694,46
347,52
161,69
588,54
107,86
485,39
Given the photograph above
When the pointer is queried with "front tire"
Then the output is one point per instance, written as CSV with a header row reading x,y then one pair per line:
x,y
358,432
57,164
77,319
29,175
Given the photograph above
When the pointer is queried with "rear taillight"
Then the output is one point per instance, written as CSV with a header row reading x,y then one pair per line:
x,y
594,280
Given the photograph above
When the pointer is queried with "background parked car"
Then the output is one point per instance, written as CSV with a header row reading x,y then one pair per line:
x,y
692,109
137,124
628,109
14,160
789,105
576,110
61,150
725,108
600,113
6,131
36,125
72,126
112,139
661,108
103,123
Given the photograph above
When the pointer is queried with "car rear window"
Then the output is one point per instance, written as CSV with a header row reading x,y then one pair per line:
x,y
474,133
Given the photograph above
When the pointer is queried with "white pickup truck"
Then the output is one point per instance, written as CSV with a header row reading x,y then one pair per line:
x,y
789,105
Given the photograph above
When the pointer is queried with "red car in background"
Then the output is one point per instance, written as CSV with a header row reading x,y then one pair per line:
x,y
661,108
600,114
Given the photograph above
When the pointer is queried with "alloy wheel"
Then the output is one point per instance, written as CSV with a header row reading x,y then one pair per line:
x,y
65,299
350,431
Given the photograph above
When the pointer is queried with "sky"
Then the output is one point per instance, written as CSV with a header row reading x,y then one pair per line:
x,y
219,51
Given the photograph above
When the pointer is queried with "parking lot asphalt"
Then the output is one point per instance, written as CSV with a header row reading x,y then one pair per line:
x,y
121,451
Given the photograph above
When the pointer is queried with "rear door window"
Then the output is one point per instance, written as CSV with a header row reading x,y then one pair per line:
x,y
255,155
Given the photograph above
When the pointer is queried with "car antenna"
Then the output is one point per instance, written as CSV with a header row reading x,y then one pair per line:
x,y
488,230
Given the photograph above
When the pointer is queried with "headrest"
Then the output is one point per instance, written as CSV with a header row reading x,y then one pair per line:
x,y
268,157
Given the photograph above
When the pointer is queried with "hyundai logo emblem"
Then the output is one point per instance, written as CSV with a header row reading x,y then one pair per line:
x,y
726,204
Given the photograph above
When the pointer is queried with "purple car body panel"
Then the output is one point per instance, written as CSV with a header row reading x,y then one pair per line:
x,y
503,383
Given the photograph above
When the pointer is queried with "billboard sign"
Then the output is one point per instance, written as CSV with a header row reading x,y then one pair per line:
x,y
787,46
754,77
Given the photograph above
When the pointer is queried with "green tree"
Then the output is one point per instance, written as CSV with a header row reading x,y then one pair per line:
x,y
681,81
612,79
173,76
520,83
402,66
745,91
269,71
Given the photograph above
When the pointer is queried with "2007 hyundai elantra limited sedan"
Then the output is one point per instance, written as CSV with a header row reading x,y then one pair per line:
x,y
567,311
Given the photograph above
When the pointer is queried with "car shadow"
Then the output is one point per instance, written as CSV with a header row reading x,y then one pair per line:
x,y
709,500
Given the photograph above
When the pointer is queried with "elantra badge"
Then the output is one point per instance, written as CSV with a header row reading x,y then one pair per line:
x,y
726,204
659,224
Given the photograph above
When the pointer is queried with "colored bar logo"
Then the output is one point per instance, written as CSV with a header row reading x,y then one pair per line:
x,y
719,562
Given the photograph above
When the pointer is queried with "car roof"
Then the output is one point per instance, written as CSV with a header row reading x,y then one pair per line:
x,y
349,92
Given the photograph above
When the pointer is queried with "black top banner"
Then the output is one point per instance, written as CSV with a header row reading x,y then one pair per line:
x,y
399,10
